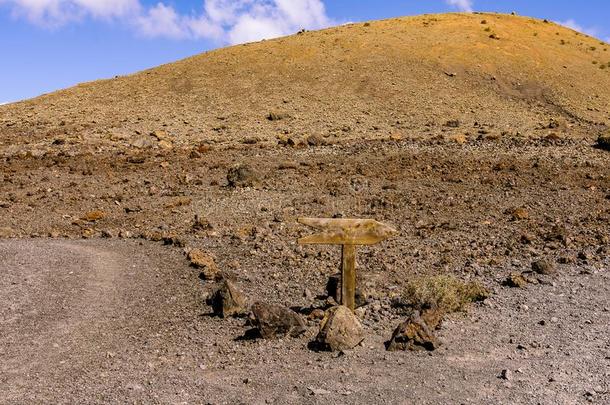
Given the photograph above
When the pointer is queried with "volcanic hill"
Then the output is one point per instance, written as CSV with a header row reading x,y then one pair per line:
x,y
358,81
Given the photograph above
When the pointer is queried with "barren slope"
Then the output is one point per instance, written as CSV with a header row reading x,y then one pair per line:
x,y
359,81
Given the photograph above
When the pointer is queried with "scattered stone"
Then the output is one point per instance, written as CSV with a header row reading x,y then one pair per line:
x,y
413,334
316,314
142,142
242,176
123,234
204,261
229,301
275,116
94,216
603,142
515,280
518,213
201,224
275,321
340,330
460,139
318,391
545,267
452,123
314,140
506,375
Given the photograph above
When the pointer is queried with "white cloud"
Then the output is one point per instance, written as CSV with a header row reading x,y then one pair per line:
x,y
224,21
462,5
577,27
54,13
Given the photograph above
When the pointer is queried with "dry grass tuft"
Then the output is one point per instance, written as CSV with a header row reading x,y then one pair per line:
x,y
445,293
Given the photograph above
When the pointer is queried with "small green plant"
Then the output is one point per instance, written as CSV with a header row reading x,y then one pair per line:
x,y
444,293
562,42
487,29
592,48
595,62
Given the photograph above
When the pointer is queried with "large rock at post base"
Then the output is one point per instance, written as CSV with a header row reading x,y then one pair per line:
x,y
340,330
228,300
413,334
333,289
274,321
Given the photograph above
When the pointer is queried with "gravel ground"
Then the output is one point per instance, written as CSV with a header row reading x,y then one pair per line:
x,y
122,321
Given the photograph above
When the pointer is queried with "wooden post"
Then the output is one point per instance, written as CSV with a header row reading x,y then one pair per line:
x,y
348,233
348,276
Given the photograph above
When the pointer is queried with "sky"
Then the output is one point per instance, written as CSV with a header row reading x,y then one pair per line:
x,y
46,45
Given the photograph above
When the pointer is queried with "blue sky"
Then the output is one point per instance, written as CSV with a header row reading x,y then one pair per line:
x,y
51,44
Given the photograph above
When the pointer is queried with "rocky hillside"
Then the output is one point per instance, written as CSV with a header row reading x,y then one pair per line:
x,y
425,75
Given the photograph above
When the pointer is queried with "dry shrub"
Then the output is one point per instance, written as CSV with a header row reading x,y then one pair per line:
x,y
444,293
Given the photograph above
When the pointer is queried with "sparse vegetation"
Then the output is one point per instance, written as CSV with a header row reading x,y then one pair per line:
x,y
445,293
487,29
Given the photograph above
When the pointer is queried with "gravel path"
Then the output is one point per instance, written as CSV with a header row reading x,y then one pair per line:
x,y
123,322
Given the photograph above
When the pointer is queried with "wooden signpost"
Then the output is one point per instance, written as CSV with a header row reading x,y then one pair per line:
x,y
348,233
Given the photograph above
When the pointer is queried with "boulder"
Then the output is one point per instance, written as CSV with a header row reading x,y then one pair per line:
x,y
340,330
229,301
276,321
413,334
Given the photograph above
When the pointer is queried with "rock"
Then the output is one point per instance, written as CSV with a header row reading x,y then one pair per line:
x,y
142,142
333,289
340,330
459,139
93,216
506,375
276,116
274,321
452,123
413,334
515,280
204,261
603,142
242,176
518,213
314,140
229,301
6,232
316,314
545,267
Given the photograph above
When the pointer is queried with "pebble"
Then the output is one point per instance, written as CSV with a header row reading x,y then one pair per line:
x,y
506,375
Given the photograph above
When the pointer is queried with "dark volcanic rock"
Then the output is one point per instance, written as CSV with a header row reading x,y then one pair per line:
x,y
603,142
275,321
545,267
228,301
413,334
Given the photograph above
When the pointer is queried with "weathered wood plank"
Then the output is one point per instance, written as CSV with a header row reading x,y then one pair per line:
x,y
341,231
348,277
